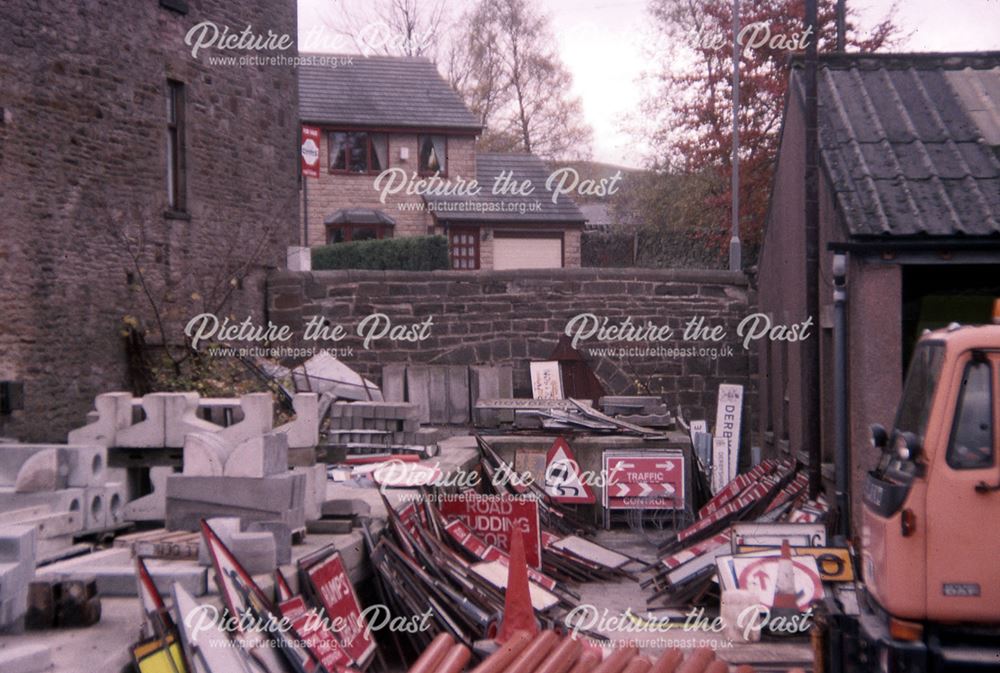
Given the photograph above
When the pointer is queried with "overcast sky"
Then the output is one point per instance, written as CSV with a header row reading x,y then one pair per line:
x,y
602,44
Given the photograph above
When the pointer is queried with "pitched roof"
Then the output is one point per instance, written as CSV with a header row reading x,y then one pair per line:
x,y
384,91
911,143
507,208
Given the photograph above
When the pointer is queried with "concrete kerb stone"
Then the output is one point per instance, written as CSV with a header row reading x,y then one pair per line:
x,y
114,413
205,454
260,456
181,418
151,507
258,418
149,432
26,658
303,431
46,470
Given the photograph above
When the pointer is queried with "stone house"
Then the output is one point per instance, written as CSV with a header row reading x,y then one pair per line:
x,y
909,198
130,165
392,129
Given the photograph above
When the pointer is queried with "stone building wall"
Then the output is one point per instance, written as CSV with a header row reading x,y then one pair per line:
x,y
510,317
83,202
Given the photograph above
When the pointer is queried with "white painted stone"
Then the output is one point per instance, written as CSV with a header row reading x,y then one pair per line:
x,y
153,506
299,258
46,470
88,465
149,432
181,418
205,454
258,418
224,527
114,413
303,431
260,456
26,658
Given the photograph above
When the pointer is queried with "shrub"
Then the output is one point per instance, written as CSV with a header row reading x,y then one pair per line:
x,y
412,253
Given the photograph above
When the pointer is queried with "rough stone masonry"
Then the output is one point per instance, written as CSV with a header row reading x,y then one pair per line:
x,y
83,166
510,317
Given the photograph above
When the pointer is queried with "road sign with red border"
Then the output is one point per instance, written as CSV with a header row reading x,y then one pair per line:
x,y
336,593
493,517
646,480
563,478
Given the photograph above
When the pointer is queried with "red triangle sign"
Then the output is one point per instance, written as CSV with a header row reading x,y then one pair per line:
x,y
563,478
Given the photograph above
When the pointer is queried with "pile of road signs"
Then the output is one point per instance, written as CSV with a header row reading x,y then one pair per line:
x,y
321,630
736,540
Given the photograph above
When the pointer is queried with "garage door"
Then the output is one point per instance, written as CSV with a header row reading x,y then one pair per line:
x,y
527,253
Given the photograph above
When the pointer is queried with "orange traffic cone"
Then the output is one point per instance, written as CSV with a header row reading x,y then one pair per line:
x,y
786,602
518,615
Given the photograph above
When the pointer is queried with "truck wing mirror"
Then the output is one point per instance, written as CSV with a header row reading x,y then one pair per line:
x,y
880,438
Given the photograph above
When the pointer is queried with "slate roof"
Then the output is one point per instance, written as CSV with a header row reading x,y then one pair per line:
x,y
384,91
507,208
911,143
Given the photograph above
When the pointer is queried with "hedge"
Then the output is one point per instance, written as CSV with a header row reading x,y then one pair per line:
x,y
411,253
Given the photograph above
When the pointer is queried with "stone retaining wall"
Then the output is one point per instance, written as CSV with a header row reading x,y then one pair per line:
x,y
511,317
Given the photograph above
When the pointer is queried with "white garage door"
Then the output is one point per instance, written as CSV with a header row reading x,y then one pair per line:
x,y
527,253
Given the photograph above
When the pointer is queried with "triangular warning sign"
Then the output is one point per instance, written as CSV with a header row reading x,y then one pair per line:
x,y
563,481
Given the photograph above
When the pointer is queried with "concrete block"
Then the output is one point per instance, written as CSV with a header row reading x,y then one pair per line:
x,y
394,383
181,417
438,393
418,393
114,572
458,394
282,533
303,431
26,658
258,418
260,456
17,543
114,413
315,490
95,509
67,499
153,506
224,528
114,493
269,493
88,465
256,551
346,508
55,524
46,470
205,454
149,432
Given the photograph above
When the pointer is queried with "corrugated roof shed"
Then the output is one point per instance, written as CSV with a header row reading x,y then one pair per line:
x,y
489,207
911,143
382,91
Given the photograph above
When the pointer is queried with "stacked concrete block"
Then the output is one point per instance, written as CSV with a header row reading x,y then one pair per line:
x,y
383,423
113,413
316,478
61,490
211,455
279,497
256,549
17,569
303,431
114,572
153,506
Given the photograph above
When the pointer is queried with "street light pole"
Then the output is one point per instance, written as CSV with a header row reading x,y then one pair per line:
x,y
735,251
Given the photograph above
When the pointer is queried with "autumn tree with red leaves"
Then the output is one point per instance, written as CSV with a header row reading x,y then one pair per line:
x,y
689,109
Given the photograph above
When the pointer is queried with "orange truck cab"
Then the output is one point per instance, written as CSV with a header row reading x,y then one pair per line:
x,y
930,539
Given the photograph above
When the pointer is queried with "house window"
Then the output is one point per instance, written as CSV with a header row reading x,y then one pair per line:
x,y
464,247
176,159
433,154
358,151
345,233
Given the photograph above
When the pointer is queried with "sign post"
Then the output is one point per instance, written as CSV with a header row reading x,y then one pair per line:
x,y
310,169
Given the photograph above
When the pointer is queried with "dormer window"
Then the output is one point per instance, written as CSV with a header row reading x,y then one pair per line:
x,y
433,154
